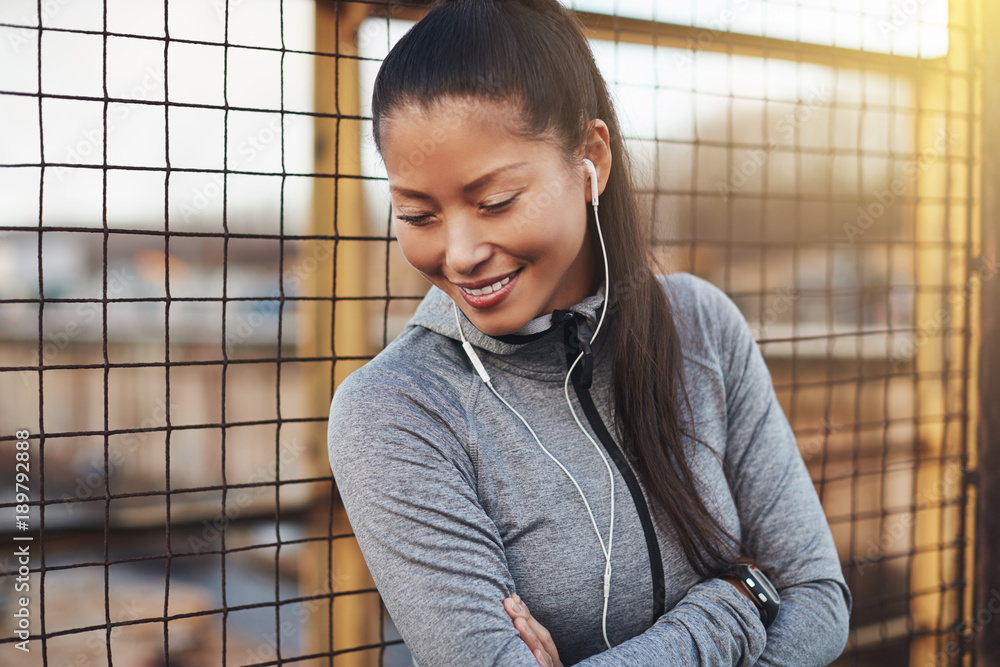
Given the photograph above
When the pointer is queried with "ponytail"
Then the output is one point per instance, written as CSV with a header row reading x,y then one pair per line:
x,y
534,53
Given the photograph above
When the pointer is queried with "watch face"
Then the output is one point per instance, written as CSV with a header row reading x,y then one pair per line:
x,y
759,579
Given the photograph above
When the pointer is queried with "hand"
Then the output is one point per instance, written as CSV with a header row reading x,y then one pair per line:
x,y
532,632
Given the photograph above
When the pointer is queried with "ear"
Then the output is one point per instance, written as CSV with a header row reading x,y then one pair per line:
x,y
597,148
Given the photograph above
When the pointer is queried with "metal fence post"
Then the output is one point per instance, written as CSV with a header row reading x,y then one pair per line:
x,y
988,533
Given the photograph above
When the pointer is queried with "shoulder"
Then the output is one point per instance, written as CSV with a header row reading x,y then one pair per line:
x,y
418,387
402,419
709,323
418,368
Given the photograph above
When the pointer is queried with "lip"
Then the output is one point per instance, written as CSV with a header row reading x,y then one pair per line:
x,y
492,299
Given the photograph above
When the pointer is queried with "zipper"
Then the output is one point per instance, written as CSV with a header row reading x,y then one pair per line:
x,y
576,339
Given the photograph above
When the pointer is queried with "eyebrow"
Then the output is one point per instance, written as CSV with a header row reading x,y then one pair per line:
x,y
470,187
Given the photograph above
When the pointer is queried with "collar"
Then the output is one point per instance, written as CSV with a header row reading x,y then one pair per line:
x,y
531,349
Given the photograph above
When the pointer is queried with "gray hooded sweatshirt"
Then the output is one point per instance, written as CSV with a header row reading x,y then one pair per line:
x,y
455,506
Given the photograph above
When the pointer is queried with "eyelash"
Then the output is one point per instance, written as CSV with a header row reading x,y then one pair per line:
x,y
416,220
420,220
496,208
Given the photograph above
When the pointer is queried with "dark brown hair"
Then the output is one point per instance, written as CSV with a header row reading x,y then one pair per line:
x,y
534,53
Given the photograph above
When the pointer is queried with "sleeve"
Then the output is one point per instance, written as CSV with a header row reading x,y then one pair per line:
x,y
436,557
782,518
438,561
714,624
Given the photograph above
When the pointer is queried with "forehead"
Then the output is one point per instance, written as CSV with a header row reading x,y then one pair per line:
x,y
451,117
447,114
474,131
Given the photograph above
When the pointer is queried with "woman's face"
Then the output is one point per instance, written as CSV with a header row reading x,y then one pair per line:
x,y
495,220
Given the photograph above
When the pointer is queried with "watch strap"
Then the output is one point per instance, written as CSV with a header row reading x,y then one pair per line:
x,y
750,578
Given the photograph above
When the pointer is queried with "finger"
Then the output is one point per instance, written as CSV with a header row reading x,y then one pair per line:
x,y
511,607
527,634
521,606
533,634
516,608
543,636
544,657
538,639
531,641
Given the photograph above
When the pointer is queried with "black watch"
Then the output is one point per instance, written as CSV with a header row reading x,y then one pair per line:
x,y
761,590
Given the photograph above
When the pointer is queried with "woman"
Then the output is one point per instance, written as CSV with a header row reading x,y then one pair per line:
x,y
527,442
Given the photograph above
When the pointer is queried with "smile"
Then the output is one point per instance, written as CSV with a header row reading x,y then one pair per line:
x,y
490,294
488,289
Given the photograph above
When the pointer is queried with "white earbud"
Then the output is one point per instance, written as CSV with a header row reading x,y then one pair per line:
x,y
593,181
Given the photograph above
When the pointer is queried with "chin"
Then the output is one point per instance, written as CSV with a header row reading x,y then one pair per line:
x,y
495,327
494,323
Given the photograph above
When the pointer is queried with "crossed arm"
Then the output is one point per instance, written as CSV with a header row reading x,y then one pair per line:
x,y
447,594
534,634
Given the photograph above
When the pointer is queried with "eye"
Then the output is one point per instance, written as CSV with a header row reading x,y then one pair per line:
x,y
415,220
496,208
415,217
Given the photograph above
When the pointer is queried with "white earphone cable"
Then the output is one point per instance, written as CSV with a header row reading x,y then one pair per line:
x,y
510,407
484,375
576,418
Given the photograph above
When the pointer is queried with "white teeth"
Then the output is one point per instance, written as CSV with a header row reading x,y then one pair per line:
x,y
489,289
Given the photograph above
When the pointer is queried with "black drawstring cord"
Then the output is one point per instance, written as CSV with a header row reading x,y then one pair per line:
x,y
576,339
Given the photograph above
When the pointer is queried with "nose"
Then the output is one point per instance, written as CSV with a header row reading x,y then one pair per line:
x,y
468,246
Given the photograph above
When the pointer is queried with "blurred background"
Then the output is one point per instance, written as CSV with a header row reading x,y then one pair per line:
x,y
196,247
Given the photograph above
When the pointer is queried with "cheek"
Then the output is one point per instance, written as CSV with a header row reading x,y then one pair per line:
x,y
417,249
562,228
547,244
550,222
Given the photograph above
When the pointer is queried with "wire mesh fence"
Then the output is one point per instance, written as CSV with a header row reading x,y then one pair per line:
x,y
196,247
